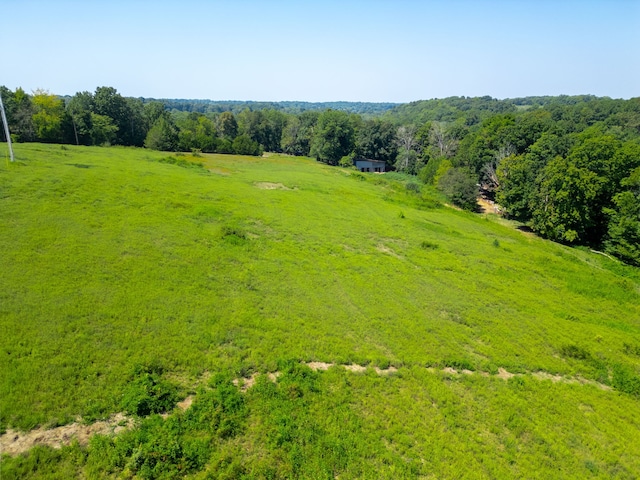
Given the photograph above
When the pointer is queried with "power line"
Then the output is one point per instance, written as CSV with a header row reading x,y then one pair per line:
x,y
6,128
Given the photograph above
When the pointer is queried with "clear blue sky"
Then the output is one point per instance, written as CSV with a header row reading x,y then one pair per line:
x,y
380,51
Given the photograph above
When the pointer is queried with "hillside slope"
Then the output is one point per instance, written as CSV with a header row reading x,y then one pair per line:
x,y
223,266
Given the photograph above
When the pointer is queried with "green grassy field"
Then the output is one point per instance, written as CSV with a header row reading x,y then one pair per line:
x,y
118,260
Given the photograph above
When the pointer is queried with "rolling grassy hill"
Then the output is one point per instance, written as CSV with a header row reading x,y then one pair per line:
x,y
124,266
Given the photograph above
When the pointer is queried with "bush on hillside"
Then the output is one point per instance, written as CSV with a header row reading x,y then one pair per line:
x,y
460,187
148,392
243,145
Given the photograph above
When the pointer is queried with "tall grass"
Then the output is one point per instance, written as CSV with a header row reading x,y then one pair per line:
x,y
114,257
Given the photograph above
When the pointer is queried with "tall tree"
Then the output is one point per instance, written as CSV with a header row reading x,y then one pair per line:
x,y
623,236
48,116
136,128
376,140
19,109
197,132
407,143
163,135
565,206
79,109
298,133
227,126
153,111
126,114
103,131
334,137
442,139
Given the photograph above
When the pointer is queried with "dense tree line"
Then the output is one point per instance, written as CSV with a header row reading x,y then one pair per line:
x,y
289,107
568,166
570,170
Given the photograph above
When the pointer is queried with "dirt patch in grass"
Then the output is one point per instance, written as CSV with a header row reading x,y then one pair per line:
x,y
186,403
547,376
504,375
386,371
384,249
355,368
271,186
315,366
245,383
14,442
487,206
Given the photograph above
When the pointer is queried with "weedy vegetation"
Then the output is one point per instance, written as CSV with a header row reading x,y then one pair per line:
x,y
129,280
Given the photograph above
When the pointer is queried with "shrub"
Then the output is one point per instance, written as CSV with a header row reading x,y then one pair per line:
x,y
574,351
225,146
427,245
243,145
630,349
626,379
180,162
233,234
149,393
458,364
460,187
427,174
413,187
163,136
347,161
220,411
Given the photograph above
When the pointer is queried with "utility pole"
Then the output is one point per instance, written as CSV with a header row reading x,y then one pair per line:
x,y
6,128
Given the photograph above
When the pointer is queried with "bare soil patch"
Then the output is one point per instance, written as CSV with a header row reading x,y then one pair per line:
x,y
488,206
271,186
246,383
386,371
319,366
355,368
547,376
186,403
504,375
14,442
384,249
